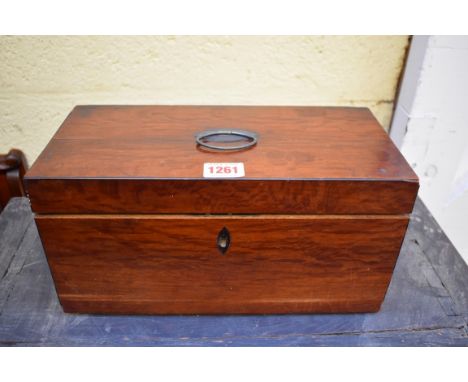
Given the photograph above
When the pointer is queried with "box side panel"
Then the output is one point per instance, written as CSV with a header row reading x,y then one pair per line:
x,y
172,264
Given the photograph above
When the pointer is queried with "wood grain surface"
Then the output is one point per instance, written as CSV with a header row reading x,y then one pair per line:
x,y
171,264
129,224
307,160
221,196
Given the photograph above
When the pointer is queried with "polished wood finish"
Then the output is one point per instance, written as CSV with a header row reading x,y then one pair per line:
x,y
308,160
221,196
129,224
171,264
12,169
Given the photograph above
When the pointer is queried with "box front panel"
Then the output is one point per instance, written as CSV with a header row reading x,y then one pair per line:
x,y
227,196
189,264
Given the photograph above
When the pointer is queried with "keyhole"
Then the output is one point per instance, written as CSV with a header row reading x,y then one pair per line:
x,y
223,241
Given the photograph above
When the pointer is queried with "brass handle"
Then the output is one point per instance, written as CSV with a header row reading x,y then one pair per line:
x,y
250,136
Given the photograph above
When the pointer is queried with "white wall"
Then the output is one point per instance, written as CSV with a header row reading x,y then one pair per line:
x,y
431,128
43,77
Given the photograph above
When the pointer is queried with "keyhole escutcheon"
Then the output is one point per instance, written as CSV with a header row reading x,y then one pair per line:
x,y
224,240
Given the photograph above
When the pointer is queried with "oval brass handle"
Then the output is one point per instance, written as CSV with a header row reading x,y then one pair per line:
x,y
252,139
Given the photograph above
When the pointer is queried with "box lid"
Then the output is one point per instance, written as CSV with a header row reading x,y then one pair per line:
x,y
144,159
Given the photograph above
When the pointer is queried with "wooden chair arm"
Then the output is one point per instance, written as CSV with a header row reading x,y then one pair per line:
x,y
13,166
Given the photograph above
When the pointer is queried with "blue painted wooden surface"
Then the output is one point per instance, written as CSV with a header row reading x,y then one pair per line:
x,y
426,304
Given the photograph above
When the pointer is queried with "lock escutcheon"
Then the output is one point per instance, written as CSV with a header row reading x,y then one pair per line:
x,y
224,240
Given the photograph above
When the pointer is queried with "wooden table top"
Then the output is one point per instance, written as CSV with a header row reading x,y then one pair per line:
x,y
426,304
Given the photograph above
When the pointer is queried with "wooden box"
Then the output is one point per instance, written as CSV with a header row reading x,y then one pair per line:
x,y
136,218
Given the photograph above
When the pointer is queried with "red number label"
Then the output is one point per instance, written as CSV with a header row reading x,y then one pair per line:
x,y
223,170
